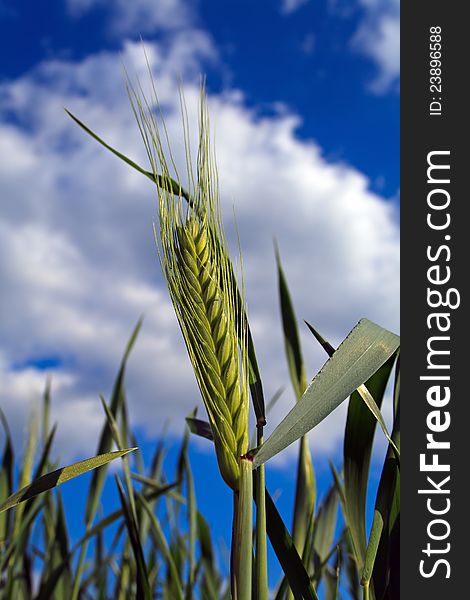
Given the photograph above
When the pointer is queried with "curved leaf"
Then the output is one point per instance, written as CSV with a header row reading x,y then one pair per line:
x,y
366,349
55,478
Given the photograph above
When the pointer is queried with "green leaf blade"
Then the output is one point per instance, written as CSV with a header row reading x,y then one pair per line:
x,y
106,438
358,440
361,354
55,478
291,334
287,555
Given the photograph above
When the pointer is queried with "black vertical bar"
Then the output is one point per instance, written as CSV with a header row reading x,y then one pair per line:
x,y
435,256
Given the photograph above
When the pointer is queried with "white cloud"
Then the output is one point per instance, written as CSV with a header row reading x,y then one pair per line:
x,y
378,37
290,6
139,16
79,262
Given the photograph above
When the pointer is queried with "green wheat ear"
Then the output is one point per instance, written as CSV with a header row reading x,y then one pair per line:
x,y
199,273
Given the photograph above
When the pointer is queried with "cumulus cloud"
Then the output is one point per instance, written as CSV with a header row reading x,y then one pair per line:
x,y
139,16
378,37
79,261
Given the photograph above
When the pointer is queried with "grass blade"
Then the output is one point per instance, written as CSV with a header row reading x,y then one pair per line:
x,y
192,519
305,493
200,428
143,591
44,458
15,545
106,438
371,404
26,475
176,188
287,555
51,480
332,578
6,478
210,583
57,582
363,414
358,440
118,441
162,544
291,335
362,391
325,526
117,514
381,555
104,445
360,355
321,340
256,386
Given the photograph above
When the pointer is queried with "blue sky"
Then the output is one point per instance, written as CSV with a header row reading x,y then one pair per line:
x,y
304,99
308,57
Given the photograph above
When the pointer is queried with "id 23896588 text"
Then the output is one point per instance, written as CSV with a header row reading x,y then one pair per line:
x,y
435,70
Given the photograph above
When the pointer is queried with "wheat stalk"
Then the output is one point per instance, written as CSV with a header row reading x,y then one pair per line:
x,y
199,273
201,288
